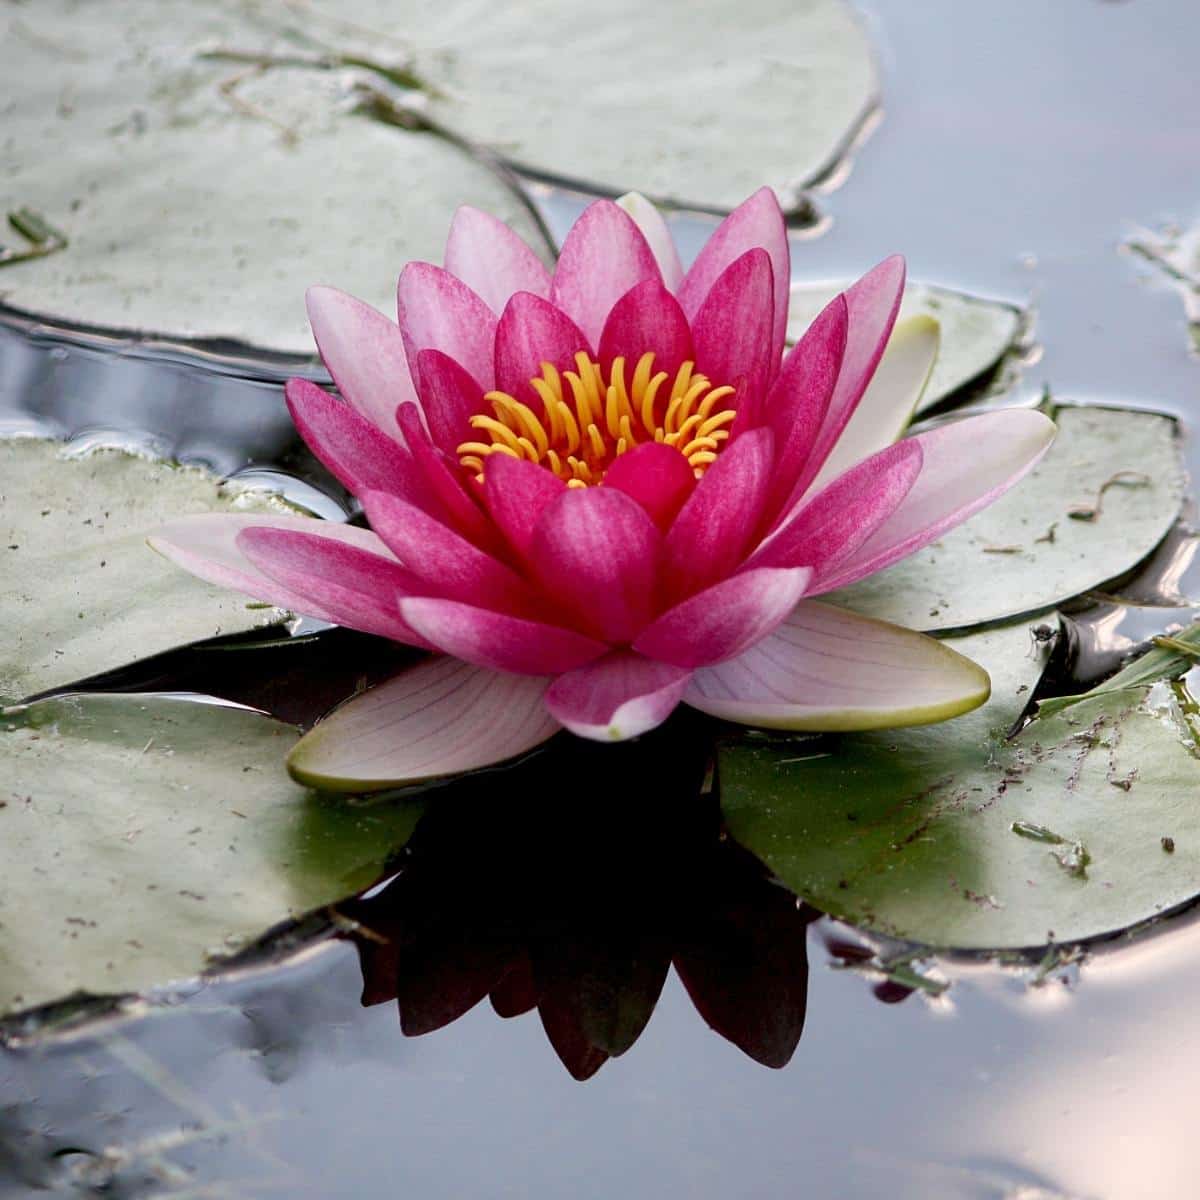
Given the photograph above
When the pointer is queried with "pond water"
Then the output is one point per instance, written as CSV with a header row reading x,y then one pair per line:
x,y
1018,147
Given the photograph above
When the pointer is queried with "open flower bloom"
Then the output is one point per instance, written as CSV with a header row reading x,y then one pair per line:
x,y
598,492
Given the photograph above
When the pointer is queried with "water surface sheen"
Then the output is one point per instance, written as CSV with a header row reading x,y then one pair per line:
x,y
1020,144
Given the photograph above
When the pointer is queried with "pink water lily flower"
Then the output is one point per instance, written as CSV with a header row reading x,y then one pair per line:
x,y
600,491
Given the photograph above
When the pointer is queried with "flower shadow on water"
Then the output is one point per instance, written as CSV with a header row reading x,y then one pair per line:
x,y
578,907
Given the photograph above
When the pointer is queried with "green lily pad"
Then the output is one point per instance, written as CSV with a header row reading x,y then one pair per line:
x,y
146,837
81,592
953,837
976,333
1107,492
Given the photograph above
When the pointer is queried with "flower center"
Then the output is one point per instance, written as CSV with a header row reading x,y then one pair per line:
x,y
588,421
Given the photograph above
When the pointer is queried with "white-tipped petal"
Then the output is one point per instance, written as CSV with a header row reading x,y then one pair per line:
x,y
650,221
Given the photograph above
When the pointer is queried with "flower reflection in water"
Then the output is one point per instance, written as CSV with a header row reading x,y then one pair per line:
x,y
579,909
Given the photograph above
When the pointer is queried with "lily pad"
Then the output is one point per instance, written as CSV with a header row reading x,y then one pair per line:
x,y
976,333
1105,495
145,837
81,592
953,837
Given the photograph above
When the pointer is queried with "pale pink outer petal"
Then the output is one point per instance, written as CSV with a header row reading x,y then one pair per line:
x,y
712,532
725,619
756,222
828,527
731,333
492,260
647,318
531,332
356,587
596,552
206,545
603,255
657,476
358,453
364,352
439,312
967,465
497,640
872,303
448,564
439,718
658,237
887,406
450,397
616,697
516,491
828,669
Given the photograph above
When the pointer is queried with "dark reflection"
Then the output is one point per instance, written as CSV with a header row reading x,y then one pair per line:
x,y
572,891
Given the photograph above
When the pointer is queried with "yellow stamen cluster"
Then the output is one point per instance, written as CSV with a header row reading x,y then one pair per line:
x,y
588,421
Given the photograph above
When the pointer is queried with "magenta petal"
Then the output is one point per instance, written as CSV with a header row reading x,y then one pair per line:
x,y
357,587
603,256
596,551
517,491
364,352
497,640
533,331
799,400
831,525
726,619
443,560
756,222
647,318
658,237
358,453
439,312
732,333
450,397
710,536
491,260
657,476
618,696
967,464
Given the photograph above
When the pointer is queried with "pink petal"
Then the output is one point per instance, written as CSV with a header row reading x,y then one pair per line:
x,y
443,560
441,717
827,669
603,256
647,318
439,312
497,640
517,491
364,352
873,303
206,545
658,237
358,587
618,696
449,399
358,453
726,619
967,465
533,331
830,526
756,223
657,476
491,260
444,480
732,333
798,401
596,552
710,536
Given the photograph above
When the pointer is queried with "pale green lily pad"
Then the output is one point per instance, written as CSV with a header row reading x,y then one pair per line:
x,y
976,333
81,592
1027,552
952,837
199,198
144,838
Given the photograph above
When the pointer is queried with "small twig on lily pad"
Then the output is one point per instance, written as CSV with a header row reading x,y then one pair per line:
x,y
43,238
1089,512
